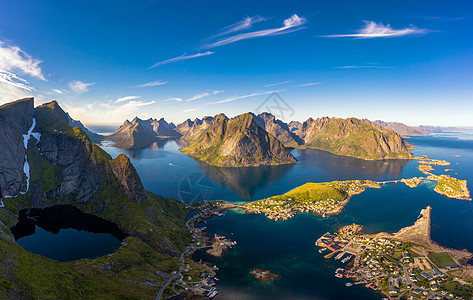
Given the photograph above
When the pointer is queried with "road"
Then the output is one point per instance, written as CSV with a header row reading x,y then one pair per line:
x,y
182,257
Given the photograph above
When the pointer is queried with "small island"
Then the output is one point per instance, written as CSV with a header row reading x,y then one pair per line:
x,y
326,198
412,182
264,275
428,161
451,187
220,244
447,185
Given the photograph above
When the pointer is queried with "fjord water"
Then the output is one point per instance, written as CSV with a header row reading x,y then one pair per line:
x,y
287,247
64,233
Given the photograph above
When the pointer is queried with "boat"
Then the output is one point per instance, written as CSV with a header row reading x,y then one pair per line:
x,y
340,255
346,259
213,294
348,284
322,250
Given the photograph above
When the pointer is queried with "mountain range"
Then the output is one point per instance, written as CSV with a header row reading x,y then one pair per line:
x,y
250,143
234,142
139,133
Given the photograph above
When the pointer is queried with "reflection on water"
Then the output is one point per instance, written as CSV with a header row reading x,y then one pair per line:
x,y
163,167
64,233
352,166
244,181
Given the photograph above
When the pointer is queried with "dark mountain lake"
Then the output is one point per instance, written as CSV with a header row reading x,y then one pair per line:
x,y
287,247
65,233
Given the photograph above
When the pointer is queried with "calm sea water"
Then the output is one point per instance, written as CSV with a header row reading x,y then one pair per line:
x,y
287,248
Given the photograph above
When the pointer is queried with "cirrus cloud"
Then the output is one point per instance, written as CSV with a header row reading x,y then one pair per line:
x,y
179,58
375,30
290,24
127,98
152,83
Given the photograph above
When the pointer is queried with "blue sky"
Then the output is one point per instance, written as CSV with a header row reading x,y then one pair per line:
x,y
106,61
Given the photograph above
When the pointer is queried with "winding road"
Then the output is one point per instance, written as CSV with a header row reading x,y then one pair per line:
x,y
181,258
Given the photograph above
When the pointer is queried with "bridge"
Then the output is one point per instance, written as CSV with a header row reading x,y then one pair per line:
x,y
389,181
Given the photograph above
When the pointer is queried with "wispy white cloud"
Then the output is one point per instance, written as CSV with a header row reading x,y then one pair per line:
x,y
172,99
244,24
152,83
375,30
13,59
364,67
127,98
14,80
234,98
79,87
442,19
199,96
13,87
179,58
278,83
309,84
57,91
291,24
193,98
190,109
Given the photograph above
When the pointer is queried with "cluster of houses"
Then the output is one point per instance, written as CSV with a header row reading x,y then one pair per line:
x,y
390,266
332,242
285,209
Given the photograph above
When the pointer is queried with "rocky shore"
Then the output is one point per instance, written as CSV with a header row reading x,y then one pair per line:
x,y
264,275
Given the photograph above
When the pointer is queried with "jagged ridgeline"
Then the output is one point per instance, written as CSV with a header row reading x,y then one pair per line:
x,y
65,167
139,134
235,142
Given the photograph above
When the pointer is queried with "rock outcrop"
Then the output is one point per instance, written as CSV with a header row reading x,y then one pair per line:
x,y
354,137
294,125
235,142
278,129
185,126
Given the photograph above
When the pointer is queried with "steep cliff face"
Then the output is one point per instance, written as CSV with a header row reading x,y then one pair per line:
x,y
236,142
353,137
16,119
185,126
278,129
139,134
198,127
82,167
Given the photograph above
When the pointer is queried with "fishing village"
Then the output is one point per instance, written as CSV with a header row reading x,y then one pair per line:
x,y
403,265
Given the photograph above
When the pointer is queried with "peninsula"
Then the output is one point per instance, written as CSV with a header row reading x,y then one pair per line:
x,y
353,137
403,264
327,198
